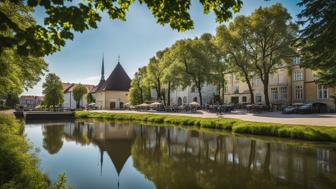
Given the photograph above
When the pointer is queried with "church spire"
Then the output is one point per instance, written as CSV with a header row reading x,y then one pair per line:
x,y
118,59
102,70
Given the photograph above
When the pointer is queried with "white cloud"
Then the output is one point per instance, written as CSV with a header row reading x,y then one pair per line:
x,y
92,80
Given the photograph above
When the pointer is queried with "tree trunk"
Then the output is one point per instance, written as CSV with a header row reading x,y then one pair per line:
x,y
267,101
158,93
247,79
168,95
141,96
223,94
200,93
158,90
251,91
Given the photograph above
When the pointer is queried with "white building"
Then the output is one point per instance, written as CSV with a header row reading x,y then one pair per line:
x,y
185,96
189,94
69,101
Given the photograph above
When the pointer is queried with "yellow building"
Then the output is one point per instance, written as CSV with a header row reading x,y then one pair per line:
x,y
112,93
286,86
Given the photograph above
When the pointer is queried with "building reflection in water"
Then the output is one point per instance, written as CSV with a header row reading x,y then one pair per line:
x,y
176,158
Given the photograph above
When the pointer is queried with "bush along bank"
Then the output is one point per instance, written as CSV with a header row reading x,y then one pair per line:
x,y
304,132
19,168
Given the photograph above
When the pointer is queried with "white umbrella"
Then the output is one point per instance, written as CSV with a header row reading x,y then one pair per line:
x,y
143,105
194,104
156,104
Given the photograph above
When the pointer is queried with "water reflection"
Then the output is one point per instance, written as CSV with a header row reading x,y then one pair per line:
x,y
52,140
176,158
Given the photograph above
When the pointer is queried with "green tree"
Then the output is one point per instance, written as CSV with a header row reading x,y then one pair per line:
x,y
53,90
270,36
172,74
155,71
18,72
90,98
217,64
140,87
79,92
195,62
12,100
231,41
62,20
136,92
317,38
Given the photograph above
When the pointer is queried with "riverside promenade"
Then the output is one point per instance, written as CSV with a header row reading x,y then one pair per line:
x,y
328,119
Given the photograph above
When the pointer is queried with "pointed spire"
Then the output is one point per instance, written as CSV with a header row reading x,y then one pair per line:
x,y
102,70
118,59
101,161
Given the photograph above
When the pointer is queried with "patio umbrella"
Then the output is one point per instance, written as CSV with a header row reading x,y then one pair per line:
x,y
194,104
143,105
156,104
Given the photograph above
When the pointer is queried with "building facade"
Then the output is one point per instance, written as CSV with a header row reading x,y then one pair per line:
x,y
189,94
288,85
112,93
30,101
69,101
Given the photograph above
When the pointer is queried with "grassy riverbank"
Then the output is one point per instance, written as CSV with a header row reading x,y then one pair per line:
x,y
19,168
312,133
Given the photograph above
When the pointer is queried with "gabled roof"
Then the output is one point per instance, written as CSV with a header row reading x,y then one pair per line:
x,y
67,87
117,81
98,87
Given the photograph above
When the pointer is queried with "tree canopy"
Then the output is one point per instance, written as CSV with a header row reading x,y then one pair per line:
x,y
64,17
18,71
317,38
78,93
53,90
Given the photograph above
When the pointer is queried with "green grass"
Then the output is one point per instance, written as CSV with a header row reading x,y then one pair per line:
x,y
304,132
18,167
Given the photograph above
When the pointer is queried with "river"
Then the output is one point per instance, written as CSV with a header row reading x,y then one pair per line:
x,y
99,155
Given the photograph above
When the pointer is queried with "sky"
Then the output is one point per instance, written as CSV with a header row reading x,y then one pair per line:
x,y
135,40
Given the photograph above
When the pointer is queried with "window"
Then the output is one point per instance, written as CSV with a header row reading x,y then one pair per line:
x,y
298,75
192,89
298,92
296,60
236,90
257,82
282,78
274,92
184,100
258,99
322,92
283,93
244,99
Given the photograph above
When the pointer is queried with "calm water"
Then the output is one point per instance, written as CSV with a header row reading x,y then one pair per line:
x,y
123,155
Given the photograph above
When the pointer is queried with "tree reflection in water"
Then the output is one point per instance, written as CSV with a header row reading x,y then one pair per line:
x,y
175,158
52,138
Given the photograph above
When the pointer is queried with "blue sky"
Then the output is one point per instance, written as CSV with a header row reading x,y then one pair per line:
x,y
135,40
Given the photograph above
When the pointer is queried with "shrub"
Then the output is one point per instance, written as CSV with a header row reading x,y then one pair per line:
x,y
19,168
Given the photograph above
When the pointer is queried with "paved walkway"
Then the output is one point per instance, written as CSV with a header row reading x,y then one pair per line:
x,y
271,117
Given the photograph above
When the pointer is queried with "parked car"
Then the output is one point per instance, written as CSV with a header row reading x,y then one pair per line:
x,y
315,107
290,110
